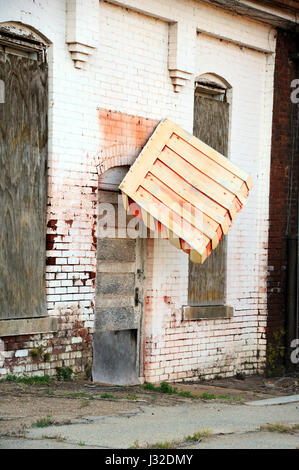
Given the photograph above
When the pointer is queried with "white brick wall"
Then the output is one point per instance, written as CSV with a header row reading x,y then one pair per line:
x,y
128,72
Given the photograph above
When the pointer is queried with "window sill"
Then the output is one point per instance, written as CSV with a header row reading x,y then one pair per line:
x,y
207,312
28,326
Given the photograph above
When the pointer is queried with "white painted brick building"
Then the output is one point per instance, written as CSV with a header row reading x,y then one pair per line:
x,y
130,57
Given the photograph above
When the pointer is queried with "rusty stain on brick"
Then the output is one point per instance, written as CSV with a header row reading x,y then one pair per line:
x,y
94,238
52,224
50,239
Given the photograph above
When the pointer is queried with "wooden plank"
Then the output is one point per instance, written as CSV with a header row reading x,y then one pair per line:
x,y
208,166
198,258
155,187
213,154
171,220
175,167
174,197
201,201
174,240
146,158
217,157
201,182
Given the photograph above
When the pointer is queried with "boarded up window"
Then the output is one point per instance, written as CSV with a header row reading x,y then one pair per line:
x,y
211,125
23,159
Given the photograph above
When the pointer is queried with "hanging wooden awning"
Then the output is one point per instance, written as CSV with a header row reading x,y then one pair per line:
x,y
186,190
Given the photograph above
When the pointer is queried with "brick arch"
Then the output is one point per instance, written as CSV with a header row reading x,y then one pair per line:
x,y
116,155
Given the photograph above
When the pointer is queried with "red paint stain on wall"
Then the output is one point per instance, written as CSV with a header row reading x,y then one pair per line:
x,y
121,128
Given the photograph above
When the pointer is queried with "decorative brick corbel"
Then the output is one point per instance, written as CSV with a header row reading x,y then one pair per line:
x,y
81,29
181,54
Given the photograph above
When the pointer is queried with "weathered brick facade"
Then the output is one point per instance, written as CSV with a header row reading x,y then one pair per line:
x,y
46,353
135,65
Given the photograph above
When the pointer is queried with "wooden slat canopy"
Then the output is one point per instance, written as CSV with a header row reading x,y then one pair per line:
x,y
186,190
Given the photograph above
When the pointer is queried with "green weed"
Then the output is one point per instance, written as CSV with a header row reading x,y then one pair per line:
x,y
281,428
107,395
27,379
64,373
199,435
42,423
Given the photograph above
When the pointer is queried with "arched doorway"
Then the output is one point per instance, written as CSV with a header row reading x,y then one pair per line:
x,y
117,339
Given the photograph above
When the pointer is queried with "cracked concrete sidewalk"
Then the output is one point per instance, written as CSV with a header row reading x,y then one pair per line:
x,y
152,419
230,425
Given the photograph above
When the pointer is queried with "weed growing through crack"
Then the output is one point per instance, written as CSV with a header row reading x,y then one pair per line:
x,y
186,393
131,397
107,395
166,388
40,353
56,437
281,428
207,396
84,403
135,445
149,386
42,423
163,388
163,445
199,435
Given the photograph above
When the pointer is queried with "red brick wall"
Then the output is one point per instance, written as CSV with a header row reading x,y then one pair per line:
x,y
283,181
69,347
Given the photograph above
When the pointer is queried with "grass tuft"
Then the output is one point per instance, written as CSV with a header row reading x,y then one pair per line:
x,y
107,395
281,428
166,388
42,423
199,435
28,380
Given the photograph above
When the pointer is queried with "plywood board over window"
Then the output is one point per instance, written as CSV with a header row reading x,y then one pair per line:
x,y
23,186
207,283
